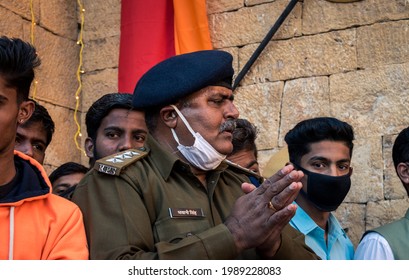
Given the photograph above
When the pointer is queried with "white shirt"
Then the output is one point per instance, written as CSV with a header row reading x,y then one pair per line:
x,y
373,247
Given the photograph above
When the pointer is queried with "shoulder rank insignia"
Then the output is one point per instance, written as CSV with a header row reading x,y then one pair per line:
x,y
114,164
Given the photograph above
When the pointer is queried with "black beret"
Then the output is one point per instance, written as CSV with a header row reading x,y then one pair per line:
x,y
181,75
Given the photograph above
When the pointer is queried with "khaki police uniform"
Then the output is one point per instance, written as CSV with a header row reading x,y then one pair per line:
x,y
149,205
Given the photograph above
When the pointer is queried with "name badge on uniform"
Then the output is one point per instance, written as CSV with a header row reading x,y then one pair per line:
x,y
186,213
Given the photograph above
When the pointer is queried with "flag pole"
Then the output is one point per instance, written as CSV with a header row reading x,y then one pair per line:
x,y
264,43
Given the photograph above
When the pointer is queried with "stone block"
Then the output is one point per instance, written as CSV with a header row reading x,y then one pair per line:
x,y
23,8
383,212
271,161
102,19
48,168
352,219
256,2
96,84
384,43
260,104
101,53
11,24
367,176
373,101
322,16
56,77
263,158
318,55
62,147
251,24
60,17
302,99
220,6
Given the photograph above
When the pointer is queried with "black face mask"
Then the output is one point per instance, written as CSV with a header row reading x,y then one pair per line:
x,y
326,192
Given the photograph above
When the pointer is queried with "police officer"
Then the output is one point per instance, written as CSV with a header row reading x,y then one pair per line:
x,y
180,199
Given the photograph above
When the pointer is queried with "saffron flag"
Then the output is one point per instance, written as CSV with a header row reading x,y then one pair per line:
x,y
152,31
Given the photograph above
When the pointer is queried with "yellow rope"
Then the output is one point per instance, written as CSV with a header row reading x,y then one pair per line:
x,y
79,72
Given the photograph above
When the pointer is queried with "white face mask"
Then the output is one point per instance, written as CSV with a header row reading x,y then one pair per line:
x,y
202,155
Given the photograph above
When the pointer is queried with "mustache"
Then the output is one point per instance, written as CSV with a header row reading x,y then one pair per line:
x,y
229,125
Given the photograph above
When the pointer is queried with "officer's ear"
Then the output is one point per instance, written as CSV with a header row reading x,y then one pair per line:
x,y
89,147
168,116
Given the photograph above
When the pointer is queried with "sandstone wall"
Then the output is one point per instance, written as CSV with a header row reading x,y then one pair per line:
x,y
349,61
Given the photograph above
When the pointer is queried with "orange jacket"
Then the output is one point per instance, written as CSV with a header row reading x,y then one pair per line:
x,y
36,224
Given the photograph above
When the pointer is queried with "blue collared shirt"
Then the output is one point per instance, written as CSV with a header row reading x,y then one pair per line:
x,y
339,246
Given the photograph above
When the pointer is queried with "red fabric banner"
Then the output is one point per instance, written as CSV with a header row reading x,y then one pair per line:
x,y
146,38
152,31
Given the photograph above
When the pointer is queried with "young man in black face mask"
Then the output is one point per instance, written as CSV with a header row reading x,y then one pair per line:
x,y
322,149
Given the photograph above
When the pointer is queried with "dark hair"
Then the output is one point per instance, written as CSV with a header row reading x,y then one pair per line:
x,y
101,108
151,119
315,130
400,152
244,137
67,168
17,62
41,115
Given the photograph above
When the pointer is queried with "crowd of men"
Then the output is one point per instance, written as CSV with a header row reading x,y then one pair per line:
x,y
173,174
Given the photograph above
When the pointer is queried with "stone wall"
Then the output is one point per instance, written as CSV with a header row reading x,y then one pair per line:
x,y
346,60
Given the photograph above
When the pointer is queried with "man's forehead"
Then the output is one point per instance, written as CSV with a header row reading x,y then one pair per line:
x,y
32,128
123,112
329,158
123,117
326,148
212,91
219,90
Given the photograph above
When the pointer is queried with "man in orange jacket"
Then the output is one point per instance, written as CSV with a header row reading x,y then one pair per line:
x,y
34,223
